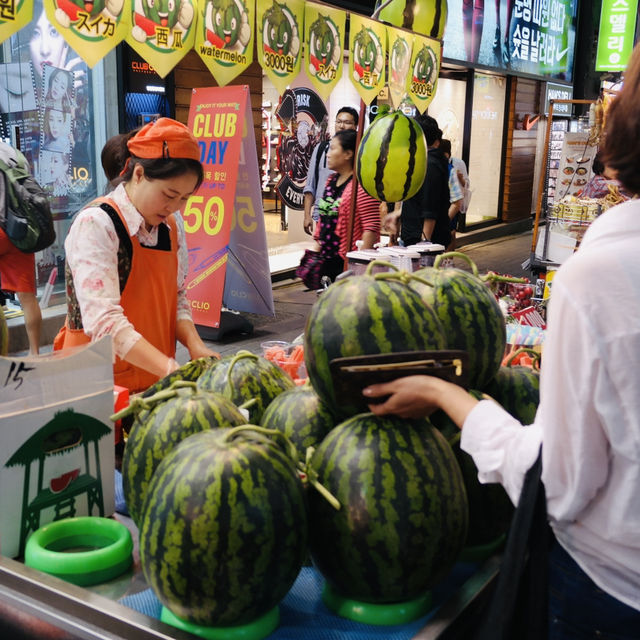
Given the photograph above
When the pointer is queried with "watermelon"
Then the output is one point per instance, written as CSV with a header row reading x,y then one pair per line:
x,y
516,389
244,377
4,335
426,17
392,158
301,416
362,315
403,516
224,528
490,508
156,432
470,316
188,372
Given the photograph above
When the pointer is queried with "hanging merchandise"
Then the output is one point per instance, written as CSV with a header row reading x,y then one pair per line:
x,y
367,54
279,36
400,48
14,16
90,29
163,32
324,29
425,67
224,37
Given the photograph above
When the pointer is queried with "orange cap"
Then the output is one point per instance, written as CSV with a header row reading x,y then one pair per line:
x,y
164,138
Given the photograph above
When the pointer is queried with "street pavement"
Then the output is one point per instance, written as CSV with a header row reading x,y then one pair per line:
x,y
293,302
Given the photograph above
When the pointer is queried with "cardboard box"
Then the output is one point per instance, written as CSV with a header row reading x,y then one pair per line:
x,y
57,451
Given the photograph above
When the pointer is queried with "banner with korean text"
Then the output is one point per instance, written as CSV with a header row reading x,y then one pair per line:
x,y
14,16
367,56
161,33
90,29
224,37
422,79
400,45
324,29
615,38
279,32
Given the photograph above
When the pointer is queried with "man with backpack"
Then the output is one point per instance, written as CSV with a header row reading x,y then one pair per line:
x,y
346,118
26,226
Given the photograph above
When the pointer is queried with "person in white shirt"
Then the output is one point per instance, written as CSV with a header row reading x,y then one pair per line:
x,y
588,421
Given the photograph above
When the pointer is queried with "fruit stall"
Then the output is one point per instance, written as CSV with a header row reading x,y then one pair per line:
x,y
259,498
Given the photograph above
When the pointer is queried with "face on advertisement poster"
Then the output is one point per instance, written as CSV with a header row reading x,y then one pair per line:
x,y
46,104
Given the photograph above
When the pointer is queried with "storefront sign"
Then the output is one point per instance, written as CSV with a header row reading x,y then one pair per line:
x,y
224,37
400,48
555,91
324,37
216,118
367,55
422,80
615,38
302,115
162,32
535,37
13,16
90,29
279,39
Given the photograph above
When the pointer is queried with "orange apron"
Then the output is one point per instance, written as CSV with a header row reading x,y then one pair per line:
x,y
149,301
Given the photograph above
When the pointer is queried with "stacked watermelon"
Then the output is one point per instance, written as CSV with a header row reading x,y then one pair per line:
x,y
224,527
403,516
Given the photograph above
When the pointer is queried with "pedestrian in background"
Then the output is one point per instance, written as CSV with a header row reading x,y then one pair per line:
x,y
318,171
588,420
459,190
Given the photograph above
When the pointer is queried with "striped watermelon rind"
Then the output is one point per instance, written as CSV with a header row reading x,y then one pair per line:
x,y
188,372
245,377
301,416
392,158
224,528
157,432
362,315
470,316
517,390
403,516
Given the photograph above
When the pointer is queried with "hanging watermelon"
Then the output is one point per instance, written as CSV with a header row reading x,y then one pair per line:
x,y
426,17
392,158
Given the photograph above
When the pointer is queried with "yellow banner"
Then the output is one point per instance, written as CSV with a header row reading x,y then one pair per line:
x,y
14,16
400,48
279,40
90,29
367,55
162,32
422,80
324,38
224,37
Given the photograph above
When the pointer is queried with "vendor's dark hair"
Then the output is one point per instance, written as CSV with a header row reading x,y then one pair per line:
x,y
621,148
115,155
432,131
347,139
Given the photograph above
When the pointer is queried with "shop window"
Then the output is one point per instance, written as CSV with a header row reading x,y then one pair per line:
x,y
485,155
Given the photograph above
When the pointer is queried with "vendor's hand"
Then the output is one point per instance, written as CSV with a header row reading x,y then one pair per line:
x,y
308,224
202,351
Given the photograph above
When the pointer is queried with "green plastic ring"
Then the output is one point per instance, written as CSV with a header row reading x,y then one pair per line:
x,y
379,614
50,549
255,630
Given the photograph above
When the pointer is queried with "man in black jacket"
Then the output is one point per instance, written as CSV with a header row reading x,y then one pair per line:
x,y
424,216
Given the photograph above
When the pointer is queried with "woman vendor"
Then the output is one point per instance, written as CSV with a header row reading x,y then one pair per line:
x,y
127,260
